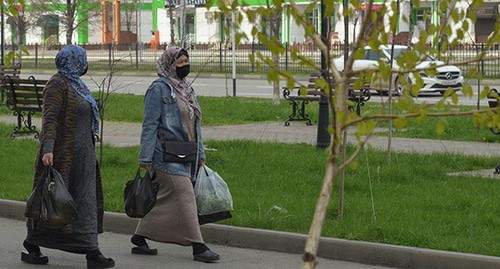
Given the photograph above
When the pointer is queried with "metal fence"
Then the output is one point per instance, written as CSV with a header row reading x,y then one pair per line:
x,y
217,58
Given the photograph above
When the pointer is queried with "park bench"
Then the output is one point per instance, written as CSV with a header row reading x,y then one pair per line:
x,y
24,97
12,71
493,102
313,94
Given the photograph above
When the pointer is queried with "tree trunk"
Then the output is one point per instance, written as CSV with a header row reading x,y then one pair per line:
x,y
276,84
171,18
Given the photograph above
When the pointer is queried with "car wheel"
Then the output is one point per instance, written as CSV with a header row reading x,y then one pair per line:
x,y
399,87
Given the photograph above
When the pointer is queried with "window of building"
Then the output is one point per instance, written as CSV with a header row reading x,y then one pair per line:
x,y
313,18
50,29
421,18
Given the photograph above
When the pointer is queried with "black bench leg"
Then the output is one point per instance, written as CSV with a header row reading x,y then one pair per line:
x,y
303,114
292,116
298,113
24,126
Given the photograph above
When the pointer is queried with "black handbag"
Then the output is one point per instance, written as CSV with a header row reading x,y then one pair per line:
x,y
140,195
179,151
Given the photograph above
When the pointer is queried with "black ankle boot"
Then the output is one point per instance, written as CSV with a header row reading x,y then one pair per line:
x,y
33,254
138,240
95,260
142,247
201,253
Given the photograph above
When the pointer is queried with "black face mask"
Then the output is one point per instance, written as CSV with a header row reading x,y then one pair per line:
x,y
85,70
182,71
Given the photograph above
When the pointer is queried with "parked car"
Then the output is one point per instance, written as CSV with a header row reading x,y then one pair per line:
x,y
446,76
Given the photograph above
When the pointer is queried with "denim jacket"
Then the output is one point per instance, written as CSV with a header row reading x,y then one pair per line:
x,y
162,119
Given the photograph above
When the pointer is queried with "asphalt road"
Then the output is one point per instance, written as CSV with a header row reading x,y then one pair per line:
x,y
246,86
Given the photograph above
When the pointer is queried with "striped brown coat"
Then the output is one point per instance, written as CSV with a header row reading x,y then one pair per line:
x,y
58,123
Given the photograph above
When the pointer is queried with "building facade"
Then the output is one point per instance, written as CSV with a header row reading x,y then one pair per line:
x,y
161,21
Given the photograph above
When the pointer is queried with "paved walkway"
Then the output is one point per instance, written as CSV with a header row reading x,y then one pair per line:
x,y
123,134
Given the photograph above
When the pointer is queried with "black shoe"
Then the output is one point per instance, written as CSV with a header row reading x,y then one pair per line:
x,y
144,250
207,256
34,258
100,262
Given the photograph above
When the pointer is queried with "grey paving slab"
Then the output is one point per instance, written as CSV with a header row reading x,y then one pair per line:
x,y
241,247
117,246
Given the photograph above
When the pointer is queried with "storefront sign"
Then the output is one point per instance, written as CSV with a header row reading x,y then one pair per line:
x,y
488,10
196,3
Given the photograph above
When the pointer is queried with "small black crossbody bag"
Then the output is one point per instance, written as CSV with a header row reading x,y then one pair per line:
x,y
179,151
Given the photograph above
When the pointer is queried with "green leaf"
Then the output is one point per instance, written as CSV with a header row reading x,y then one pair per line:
x,y
401,122
467,91
405,102
440,126
354,165
9,58
443,6
13,11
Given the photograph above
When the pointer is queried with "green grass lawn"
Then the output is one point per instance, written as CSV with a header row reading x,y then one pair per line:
x,y
275,186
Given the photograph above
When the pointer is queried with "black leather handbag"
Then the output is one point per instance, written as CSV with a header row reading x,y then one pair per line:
x,y
179,151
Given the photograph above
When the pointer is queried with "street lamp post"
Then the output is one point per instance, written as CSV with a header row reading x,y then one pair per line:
x,y
2,35
323,137
233,49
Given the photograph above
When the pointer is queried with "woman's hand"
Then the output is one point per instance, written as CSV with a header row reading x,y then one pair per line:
x,y
48,159
147,166
201,163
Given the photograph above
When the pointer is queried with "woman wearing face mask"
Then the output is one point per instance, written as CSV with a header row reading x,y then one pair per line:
x,y
70,119
171,113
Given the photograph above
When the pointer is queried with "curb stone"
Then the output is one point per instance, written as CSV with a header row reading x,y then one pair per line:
x,y
330,248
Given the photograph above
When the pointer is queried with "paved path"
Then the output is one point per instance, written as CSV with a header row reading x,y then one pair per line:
x,y
124,134
117,246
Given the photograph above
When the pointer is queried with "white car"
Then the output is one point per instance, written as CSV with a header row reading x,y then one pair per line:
x,y
446,77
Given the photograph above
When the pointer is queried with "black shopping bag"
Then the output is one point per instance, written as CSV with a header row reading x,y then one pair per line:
x,y
140,195
50,203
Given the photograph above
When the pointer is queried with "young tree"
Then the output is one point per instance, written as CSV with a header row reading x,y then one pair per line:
x,y
72,13
336,89
172,22
106,85
130,17
11,9
272,18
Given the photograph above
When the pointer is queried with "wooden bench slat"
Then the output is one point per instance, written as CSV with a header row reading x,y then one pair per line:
x,y
28,88
10,72
30,108
26,95
27,102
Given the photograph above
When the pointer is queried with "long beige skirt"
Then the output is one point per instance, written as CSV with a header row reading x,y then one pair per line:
x,y
174,218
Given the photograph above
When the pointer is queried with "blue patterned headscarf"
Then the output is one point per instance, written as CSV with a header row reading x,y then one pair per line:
x,y
71,62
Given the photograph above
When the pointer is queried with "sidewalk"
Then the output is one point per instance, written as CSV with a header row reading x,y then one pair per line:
x,y
127,134
123,134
